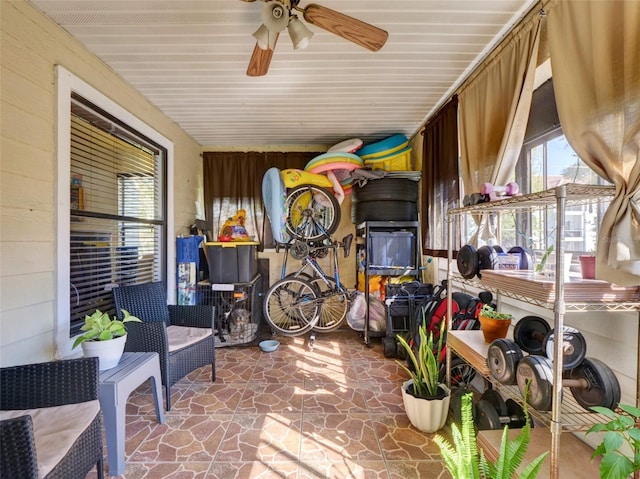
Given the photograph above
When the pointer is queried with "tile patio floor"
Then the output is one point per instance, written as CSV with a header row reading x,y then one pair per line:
x,y
334,411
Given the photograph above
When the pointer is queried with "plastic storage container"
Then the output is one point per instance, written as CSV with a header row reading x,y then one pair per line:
x,y
232,262
397,161
388,249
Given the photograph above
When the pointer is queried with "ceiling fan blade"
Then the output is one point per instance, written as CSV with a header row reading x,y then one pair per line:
x,y
349,28
260,60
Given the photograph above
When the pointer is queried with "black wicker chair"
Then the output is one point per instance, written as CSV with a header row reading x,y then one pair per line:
x,y
43,385
148,302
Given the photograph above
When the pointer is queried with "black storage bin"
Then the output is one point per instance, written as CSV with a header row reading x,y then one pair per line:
x,y
232,262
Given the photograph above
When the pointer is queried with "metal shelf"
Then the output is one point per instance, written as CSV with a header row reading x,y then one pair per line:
x,y
470,346
363,237
566,414
624,306
575,195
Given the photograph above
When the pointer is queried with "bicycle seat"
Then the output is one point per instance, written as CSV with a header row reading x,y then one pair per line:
x,y
346,244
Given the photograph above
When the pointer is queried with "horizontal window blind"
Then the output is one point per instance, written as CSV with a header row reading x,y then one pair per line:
x,y
117,213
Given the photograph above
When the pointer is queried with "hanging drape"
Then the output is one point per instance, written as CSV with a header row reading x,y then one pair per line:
x,y
595,58
233,180
440,177
493,113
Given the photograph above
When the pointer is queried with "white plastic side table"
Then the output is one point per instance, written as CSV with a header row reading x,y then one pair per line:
x,y
116,384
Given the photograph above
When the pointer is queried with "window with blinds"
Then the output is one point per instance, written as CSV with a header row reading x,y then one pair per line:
x,y
117,210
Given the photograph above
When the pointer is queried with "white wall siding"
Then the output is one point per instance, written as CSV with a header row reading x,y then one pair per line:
x,y
32,46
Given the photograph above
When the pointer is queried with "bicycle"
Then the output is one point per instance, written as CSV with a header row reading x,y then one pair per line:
x,y
312,213
308,299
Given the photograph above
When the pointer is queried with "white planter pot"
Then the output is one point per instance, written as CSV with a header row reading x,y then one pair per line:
x,y
108,352
427,415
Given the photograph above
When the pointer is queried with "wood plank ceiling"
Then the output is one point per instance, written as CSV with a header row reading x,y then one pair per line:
x,y
189,58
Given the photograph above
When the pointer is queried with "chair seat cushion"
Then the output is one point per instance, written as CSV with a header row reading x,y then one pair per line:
x,y
182,336
55,429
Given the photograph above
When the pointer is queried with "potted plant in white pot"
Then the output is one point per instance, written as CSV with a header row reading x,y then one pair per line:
x,y
105,337
426,400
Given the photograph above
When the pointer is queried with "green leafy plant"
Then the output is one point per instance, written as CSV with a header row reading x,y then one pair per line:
x,y
427,364
464,460
100,327
543,261
489,312
623,428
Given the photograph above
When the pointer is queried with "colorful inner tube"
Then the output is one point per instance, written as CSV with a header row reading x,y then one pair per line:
x,y
384,147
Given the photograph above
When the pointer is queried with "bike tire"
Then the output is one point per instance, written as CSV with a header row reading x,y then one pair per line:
x,y
334,304
291,306
312,213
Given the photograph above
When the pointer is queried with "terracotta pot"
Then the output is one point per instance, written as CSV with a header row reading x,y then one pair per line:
x,y
494,328
588,266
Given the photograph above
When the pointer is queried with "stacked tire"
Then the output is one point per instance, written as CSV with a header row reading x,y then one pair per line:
x,y
385,199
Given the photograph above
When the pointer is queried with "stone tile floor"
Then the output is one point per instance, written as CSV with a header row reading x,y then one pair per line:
x,y
331,411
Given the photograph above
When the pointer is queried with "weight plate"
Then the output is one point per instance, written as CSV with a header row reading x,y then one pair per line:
x,y
540,371
497,248
496,401
603,388
487,417
574,347
467,260
529,334
526,258
516,415
487,258
503,357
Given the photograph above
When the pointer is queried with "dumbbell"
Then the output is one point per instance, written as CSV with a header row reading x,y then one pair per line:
x,y
474,199
494,191
592,383
534,335
493,412
471,261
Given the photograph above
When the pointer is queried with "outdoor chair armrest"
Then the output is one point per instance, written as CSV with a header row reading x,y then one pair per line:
x,y
197,316
18,448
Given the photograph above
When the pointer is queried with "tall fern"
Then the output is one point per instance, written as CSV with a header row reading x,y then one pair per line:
x,y
464,461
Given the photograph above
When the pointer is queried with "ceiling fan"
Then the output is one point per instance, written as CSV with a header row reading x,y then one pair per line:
x,y
280,14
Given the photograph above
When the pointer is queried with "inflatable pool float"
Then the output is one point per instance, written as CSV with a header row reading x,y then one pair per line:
x,y
384,147
340,163
337,160
350,146
273,196
293,177
398,161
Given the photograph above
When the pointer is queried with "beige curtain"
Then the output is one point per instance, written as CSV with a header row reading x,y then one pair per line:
x,y
595,59
494,109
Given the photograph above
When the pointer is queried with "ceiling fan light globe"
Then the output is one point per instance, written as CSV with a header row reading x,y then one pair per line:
x,y
266,40
299,33
275,16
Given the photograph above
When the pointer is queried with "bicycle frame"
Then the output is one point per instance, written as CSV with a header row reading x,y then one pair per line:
x,y
309,262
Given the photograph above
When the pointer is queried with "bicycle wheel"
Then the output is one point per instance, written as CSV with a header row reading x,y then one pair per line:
x,y
291,306
461,373
334,304
313,213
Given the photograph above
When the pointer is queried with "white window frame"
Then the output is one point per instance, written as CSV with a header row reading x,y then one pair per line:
x,y
66,84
